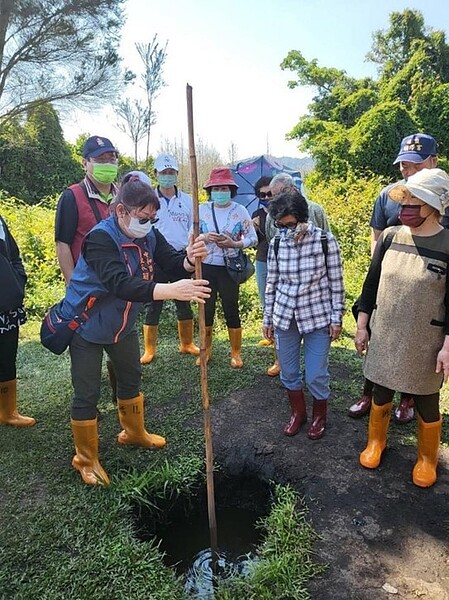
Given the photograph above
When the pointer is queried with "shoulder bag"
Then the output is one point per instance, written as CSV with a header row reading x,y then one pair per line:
x,y
57,331
239,267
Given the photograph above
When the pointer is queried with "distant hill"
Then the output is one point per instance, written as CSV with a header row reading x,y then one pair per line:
x,y
303,165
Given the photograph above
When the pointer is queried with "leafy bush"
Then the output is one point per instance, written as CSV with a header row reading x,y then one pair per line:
x,y
33,229
348,204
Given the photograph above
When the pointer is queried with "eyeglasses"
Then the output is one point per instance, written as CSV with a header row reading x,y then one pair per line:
x,y
107,157
290,225
143,221
263,195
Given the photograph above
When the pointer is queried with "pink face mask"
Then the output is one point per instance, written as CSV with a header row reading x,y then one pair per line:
x,y
410,215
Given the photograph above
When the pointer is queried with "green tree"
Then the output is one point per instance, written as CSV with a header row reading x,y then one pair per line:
x,y
393,48
36,161
355,125
58,50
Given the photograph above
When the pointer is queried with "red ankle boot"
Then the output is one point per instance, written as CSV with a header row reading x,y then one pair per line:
x,y
404,412
316,430
361,407
298,409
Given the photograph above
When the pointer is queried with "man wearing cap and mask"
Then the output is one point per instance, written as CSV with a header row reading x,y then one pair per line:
x,y
175,219
418,151
83,205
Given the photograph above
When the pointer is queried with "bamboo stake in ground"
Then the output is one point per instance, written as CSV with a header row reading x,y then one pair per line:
x,y
202,328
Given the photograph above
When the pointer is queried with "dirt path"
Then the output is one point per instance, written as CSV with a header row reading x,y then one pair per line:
x,y
376,527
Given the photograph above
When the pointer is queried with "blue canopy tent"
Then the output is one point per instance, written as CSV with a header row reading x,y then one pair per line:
x,y
247,172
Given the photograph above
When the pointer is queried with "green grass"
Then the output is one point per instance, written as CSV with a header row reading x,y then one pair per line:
x,y
61,539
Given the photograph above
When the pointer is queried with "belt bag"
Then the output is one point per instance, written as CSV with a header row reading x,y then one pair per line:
x,y
57,331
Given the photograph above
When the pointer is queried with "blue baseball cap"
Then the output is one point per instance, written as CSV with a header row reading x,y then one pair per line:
x,y
97,145
416,148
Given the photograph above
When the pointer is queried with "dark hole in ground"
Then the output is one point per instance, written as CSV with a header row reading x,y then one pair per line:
x,y
182,527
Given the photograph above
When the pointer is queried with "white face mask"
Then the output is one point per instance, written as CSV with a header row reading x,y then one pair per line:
x,y
137,229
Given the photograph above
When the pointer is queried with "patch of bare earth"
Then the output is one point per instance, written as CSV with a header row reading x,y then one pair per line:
x,y
381,536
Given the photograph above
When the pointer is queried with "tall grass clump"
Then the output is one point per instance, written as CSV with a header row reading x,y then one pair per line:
x,y
285,558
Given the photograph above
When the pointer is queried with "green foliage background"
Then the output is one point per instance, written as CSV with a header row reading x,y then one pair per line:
x,y
348,203
33,229
355,125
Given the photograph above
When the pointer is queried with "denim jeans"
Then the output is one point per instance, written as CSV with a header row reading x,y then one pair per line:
x,y
261,280
316,359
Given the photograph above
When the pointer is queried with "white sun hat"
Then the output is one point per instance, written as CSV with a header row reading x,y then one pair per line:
x,y
429,185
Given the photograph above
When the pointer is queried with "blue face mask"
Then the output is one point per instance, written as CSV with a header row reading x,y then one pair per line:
x,y
220,197
264,203
167,181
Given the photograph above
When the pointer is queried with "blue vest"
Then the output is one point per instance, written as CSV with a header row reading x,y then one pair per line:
x,y
110,318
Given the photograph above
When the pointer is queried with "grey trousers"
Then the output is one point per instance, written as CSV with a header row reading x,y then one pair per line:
x,y
86,360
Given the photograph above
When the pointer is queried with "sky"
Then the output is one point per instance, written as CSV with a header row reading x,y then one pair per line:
x,y
230,53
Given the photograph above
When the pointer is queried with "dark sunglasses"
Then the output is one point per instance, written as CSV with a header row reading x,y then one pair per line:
x,y
263,195
143,221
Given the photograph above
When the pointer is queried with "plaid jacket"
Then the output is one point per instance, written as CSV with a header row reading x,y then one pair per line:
x,y
300,285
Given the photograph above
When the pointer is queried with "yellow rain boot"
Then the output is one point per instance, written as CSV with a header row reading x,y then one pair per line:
x,y
235,337
425,470
379,420
185,332
208,346
8,406
85,436
275,368
131,417
149,339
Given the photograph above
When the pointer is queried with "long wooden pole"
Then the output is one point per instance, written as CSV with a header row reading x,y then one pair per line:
x,y
202,328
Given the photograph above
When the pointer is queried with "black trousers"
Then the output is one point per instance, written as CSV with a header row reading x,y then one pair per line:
x,y
86,360
221,285
153,309
9,343
427,406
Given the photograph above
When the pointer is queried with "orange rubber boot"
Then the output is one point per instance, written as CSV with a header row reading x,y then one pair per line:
x,y
149,339
208,347
8,406
379,421
185,333
235,338
425,470
131,417
85,436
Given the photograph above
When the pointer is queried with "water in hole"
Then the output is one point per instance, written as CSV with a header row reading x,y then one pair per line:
x,y
188,548
185,539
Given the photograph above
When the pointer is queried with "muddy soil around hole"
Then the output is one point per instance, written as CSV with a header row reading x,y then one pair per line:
x,y
375,527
